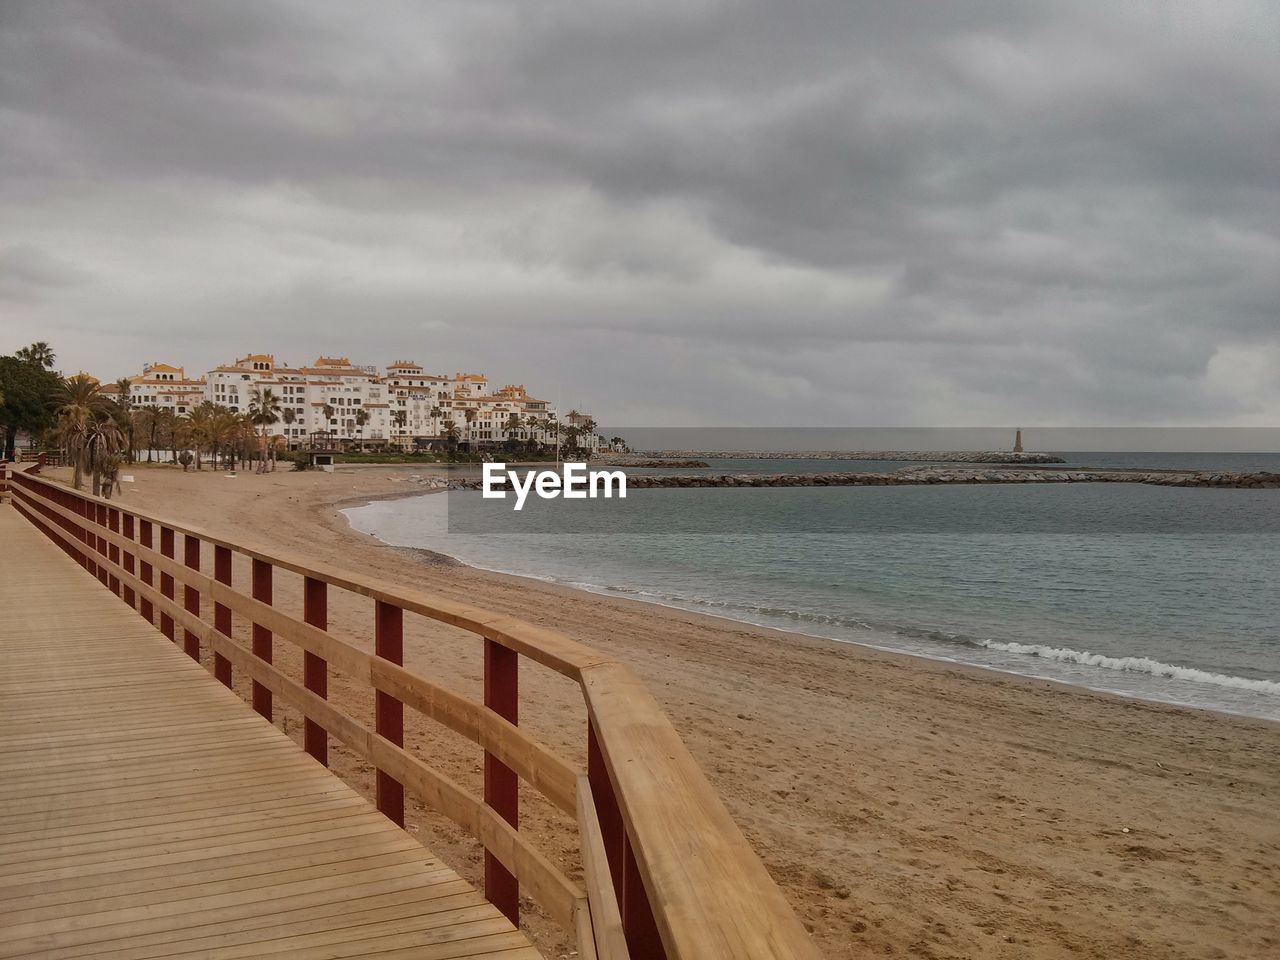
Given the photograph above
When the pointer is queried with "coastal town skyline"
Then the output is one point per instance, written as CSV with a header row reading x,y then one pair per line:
x,y
334,397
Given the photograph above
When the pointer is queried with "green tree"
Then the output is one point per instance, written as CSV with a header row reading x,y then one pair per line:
x,y
146,424
513,426
39,354
123,413
103,443
362,417
79,404
29,393
264,412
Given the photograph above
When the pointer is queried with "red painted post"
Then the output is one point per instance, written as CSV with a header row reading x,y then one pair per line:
x,y
221,612
113,551
501,785
4,479
190,595
100,518
86,533
388,643
148,609
166,581
638,924
130,560
262,590
315,670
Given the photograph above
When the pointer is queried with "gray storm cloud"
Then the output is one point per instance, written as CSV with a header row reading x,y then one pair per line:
x,y
709,212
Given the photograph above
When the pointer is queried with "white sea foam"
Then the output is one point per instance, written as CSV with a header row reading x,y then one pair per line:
x,y
1132,665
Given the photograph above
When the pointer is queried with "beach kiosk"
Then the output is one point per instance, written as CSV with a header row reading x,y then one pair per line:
x,y
322,459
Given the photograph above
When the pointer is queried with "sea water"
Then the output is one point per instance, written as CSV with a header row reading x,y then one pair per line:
x,y
1160,593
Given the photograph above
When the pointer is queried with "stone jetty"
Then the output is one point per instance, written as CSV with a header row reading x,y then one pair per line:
x,y
925,476
932,456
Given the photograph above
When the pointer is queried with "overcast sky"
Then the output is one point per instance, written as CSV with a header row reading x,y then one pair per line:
x,y
844,213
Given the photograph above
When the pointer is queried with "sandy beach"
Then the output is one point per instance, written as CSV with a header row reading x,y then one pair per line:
x,y
907,807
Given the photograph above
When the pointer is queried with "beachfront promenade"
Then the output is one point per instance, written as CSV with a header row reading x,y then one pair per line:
x,y
146,810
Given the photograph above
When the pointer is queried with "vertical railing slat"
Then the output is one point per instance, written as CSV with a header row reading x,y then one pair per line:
x,y
315,671
263,591
113,551
643,938
100,519
388,643
190,595
130,561
146,608
221,612
501,785
166,581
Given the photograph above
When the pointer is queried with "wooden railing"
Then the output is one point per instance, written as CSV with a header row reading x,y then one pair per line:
x,y
667,872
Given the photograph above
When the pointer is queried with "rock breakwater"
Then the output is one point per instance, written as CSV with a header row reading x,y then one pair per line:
x,y
932,456
927,476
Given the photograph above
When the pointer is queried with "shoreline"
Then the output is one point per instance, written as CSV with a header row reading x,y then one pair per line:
x,y
618,595
905,805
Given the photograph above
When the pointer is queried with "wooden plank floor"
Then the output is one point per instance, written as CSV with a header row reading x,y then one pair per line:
x,y
146,811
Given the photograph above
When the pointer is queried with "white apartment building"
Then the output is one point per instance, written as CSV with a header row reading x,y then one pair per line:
x,y
162,387
332,397
336,401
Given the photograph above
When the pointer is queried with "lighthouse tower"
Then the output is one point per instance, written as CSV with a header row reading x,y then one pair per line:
x,y
1017,441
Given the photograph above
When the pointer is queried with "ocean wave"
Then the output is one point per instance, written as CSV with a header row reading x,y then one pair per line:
x,y
776,612
1131,665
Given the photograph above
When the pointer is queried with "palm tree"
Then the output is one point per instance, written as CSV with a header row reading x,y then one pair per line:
x,y
435,415
178,434
513,426
39,353
123,410
166,429
146,421
264,411
362,417
200,428
73,424
78,402
470,414
451,433
102,445
110,467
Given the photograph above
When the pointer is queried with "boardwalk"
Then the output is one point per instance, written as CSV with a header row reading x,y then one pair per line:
x,y
146,811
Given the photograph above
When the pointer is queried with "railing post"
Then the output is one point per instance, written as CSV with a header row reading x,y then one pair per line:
x,y
643,939
190,595
315,671
501,785
166,581
113,551
90,513
147,608
130,596
4,478
262,590
100,518
221,612
388,643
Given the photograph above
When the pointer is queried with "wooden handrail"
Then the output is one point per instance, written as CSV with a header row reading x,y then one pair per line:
x,y
667,871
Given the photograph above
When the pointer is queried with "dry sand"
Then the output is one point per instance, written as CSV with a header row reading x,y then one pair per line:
x,y
907,807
